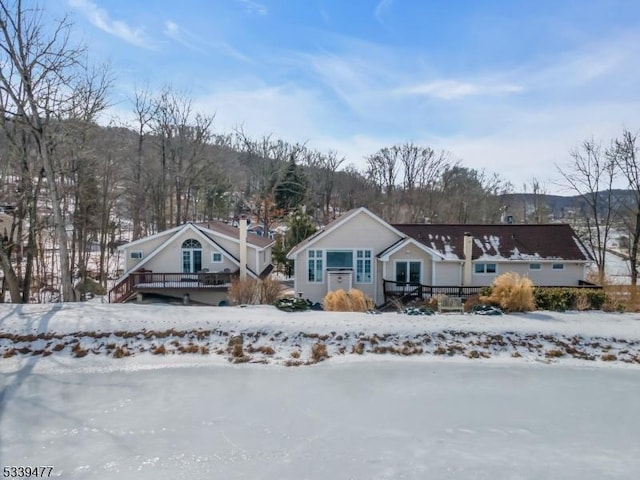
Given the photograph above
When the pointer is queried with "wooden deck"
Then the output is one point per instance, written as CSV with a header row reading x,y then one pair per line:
x,y
150,281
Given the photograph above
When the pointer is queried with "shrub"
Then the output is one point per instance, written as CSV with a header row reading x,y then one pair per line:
x,y
353,301
270,291
555,299
569,298
512,293
292,304
251,291
89,286
319,352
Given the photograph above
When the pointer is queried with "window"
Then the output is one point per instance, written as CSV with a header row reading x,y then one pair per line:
x,y
216,257
191,243
191,256
340,259
363,266
485,268
535,266
315,265
408,272
558,266
137,255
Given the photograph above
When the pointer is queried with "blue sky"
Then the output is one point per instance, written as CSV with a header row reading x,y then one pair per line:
x,y
506,86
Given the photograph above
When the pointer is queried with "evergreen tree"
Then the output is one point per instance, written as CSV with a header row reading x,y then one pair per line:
x,y
292,189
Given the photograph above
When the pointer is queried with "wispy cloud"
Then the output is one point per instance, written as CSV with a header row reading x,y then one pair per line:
x,y
381,9
100,18
199,44
454,89
253,7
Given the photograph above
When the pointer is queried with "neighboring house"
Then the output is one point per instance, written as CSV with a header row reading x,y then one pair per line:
x,y
360,250
195,259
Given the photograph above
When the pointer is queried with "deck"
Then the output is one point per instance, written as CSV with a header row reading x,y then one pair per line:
x,y
150,281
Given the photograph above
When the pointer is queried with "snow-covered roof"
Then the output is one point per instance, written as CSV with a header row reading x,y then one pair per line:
x,y
519,242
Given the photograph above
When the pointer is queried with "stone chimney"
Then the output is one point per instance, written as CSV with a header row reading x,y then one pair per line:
x,y
243,247
467,251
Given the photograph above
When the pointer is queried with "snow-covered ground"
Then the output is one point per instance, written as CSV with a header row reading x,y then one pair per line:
x,y
538,395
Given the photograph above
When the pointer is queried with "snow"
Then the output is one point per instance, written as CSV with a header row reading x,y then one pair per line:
x,y
414,415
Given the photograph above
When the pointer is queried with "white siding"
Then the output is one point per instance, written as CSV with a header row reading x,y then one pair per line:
x,y
360,232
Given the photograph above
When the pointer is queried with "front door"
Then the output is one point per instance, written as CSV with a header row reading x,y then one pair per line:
x,y
408,271
191,256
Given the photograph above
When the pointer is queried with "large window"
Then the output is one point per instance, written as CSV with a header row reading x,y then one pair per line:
x,y
408,272
191,256
315,266
485,268
363,266
339,259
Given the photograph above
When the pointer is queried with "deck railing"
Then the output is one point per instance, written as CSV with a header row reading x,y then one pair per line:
x,y
412,290
141,281
407,291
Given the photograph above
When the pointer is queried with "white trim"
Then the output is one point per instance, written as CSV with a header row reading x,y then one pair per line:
x,y
386,254
150,237
364,259
322,233
323,267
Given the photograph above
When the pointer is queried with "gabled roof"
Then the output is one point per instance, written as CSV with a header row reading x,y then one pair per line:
x,y
525,242
175,232
214,227
403,243
233,233
335,224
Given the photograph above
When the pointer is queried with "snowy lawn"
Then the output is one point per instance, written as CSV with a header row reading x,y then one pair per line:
x,y
538,395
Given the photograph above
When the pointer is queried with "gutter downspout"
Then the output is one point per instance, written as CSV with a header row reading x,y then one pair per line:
x,y
243,248
467,251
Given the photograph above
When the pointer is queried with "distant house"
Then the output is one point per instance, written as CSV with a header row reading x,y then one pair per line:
x,y
360,250
198,260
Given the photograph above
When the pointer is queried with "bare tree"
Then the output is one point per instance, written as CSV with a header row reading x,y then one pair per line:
x,y
144,108
182,136
591,174
383,169
624,153
41,74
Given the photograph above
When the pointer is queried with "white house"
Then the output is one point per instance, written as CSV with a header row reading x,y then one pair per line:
x,y
360,250
198,260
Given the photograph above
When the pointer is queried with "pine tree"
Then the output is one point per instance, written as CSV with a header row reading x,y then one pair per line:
x,y
292,189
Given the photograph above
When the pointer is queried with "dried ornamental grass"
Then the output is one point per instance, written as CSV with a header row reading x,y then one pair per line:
x,y
341,301
512,292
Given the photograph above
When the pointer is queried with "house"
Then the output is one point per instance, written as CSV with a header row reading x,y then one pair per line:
x,y
194,259
360,250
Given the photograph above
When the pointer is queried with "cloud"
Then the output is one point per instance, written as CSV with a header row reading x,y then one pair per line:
x,y
453,89
100,18
253,7
199,44
381,9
